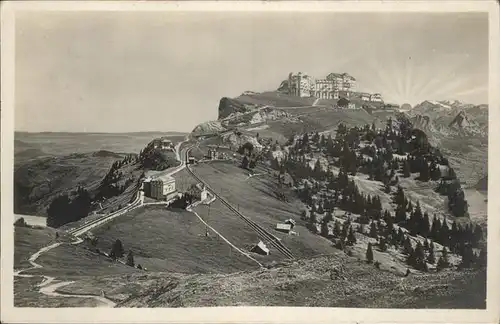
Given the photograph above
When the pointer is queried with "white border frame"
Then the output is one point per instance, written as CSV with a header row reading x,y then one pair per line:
x,y
9,314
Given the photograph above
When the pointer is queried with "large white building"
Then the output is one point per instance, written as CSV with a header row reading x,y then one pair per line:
x,y
300,84
334,86
303,85
162,187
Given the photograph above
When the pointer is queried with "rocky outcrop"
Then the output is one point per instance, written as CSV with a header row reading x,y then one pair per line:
x,y
421,122
450,118
237,139
283,86
208,128
228,106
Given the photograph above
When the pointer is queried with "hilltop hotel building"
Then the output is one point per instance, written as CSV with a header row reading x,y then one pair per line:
x,y
334,86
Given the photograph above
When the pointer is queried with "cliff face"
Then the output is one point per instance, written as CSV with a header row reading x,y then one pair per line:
x,y
229,106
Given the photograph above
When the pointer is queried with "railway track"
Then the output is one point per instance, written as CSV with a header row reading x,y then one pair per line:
x,y
263,233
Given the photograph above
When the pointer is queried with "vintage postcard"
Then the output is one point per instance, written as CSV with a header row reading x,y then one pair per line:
x,y
312,162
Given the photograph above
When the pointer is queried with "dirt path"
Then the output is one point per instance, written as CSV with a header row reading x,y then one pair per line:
x,y
47,287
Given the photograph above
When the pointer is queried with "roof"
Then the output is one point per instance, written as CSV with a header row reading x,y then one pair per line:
x,y
164,178
283,226
262,246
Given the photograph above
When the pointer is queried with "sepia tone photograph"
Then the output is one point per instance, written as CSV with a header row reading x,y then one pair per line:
x,y
334,159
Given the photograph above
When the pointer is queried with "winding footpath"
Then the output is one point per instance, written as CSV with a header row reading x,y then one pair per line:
x,y
48,284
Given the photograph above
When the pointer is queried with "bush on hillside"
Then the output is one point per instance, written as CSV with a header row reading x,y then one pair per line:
x,y
64,209
117,250
20,222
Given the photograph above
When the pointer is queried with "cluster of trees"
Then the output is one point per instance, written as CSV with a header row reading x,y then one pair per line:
x,y
250,157
65,209
343,235
324,191
118,251
457,238
345,195
184,201
157,160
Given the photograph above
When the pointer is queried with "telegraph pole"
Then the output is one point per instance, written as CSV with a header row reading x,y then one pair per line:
x,y
208,214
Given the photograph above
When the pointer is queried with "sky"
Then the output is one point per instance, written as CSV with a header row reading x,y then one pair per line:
x,y
160,71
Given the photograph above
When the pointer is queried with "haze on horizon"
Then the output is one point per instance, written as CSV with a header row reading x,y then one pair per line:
x,y
159,71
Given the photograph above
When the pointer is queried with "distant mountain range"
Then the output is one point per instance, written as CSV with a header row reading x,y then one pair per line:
x,y
450,118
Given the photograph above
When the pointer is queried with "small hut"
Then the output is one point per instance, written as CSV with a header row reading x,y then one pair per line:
x,y
260,248
286,228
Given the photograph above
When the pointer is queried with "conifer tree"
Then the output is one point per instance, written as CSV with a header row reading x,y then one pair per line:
x,y
400,197
336,229
117,250
443,260
130,259
373,230
320,209
467,257
419,256
431,258
351,238
424,227
312,218
406,169
478,235
345,229
425,173
435,228
410,258
400,214
407,247
383,244
483,258
369,253
324,229
444,233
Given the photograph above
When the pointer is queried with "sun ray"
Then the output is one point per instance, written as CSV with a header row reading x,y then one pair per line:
x,y
449,87
445,75
469,91
395,76
409,76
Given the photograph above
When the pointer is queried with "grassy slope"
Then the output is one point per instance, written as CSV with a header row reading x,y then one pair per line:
x,y
172,241
64,262
73,262
27,241
37,182
305,283
255,198
27,295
